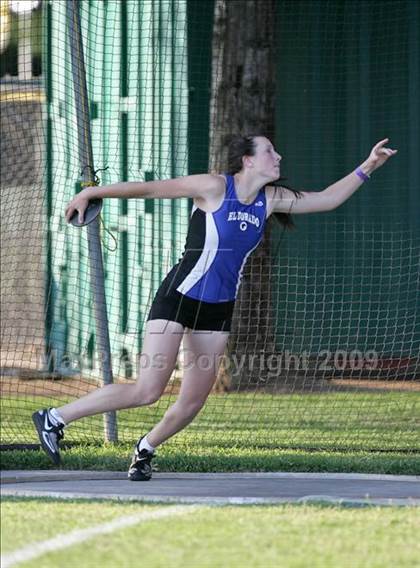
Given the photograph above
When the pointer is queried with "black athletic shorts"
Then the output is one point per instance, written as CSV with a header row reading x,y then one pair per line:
x,y
194,314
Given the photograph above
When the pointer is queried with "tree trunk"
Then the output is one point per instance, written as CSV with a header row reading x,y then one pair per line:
x,y
242,102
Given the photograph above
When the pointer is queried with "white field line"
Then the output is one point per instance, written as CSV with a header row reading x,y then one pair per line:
x,y
82,535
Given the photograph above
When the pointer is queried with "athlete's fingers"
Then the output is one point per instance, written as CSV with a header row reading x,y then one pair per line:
x,y
69,213
380,144
388,151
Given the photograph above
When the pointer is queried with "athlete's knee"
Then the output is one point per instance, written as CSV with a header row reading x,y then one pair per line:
x,y
143,397
189,409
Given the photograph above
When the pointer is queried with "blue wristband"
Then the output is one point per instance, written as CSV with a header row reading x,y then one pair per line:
x,y
362,174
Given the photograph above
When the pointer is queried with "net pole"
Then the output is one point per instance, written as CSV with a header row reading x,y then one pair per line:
x,y
94,242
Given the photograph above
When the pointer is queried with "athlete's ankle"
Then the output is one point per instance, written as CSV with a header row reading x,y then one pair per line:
x,y
56,417
144,445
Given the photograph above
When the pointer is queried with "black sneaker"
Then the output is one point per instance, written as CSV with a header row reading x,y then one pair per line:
x,y
140,467
49,434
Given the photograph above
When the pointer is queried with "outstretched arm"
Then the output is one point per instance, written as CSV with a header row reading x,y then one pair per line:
x,y
194,186
333,196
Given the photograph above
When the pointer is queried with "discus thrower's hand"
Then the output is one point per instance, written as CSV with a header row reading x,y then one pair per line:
x,y
79,203
379,155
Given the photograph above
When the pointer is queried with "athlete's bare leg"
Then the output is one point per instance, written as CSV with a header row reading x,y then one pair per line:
x,y
203,353
159,355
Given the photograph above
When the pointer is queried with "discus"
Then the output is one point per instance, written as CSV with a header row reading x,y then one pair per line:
x,y
92,211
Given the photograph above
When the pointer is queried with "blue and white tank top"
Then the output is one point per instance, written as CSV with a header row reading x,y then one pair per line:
x,y
217,247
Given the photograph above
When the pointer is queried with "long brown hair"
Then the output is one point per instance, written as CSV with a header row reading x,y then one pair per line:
x,y
240,146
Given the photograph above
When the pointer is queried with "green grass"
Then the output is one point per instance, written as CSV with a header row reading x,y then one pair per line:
x,y
192,458
381,421
336,432
286,535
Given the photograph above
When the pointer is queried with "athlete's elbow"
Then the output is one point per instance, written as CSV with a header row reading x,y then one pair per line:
x,y
328,203
330,207
316,208
315,203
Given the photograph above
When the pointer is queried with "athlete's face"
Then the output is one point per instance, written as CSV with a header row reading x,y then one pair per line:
x,y
265,161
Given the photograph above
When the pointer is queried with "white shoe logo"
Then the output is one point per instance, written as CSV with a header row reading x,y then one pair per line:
x,y
46,424
48,442
259,204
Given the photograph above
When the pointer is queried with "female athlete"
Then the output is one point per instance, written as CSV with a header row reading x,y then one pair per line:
x,y
198,295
